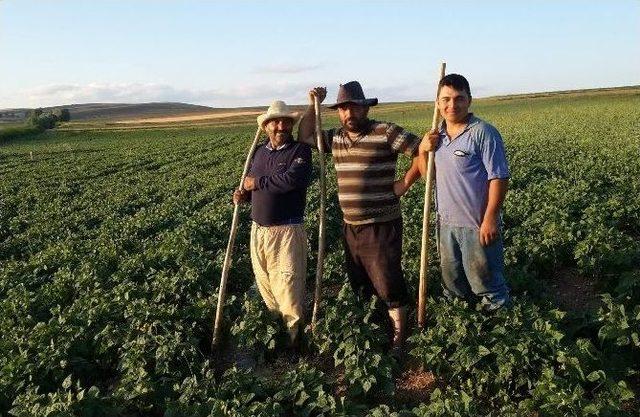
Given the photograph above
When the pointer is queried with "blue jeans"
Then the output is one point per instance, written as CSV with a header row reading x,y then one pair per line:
x,y
471,271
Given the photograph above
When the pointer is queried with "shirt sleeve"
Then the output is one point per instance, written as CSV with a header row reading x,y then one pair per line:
x,y
296,176
327,137
493,153
402,141
250,170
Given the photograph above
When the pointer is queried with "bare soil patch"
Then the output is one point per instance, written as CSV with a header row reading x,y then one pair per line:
x,y
572,291
415,385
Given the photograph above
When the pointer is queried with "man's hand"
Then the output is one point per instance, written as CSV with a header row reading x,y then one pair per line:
x,y
320,92
240,196
429,142
400,187
249,183
489,230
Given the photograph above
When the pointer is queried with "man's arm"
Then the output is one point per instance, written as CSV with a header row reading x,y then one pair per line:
x,y
490,229
402,185
243,194
495,162
307,124
418,166
296,176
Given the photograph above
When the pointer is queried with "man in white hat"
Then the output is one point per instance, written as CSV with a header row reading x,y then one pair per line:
x,y
276,186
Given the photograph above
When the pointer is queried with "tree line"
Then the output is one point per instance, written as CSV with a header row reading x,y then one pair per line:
x,y
49,119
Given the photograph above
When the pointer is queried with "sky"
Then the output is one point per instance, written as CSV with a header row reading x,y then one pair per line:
x,y
248,53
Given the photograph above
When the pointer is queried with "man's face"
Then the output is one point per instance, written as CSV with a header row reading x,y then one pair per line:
x,y
279,130
353,116
453,104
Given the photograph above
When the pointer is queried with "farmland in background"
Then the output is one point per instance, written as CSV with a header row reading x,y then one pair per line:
x,y
111,246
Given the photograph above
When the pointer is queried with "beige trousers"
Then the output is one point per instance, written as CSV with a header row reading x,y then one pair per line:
x,y
279,260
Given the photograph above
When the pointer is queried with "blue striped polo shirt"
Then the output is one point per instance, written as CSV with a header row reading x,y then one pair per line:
x,y
464,166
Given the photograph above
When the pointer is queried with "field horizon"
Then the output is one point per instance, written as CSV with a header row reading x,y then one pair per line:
x,y
171,114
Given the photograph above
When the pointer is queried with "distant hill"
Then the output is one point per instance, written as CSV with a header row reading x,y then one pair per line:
x,y
153,113
634,89
119,111
114,111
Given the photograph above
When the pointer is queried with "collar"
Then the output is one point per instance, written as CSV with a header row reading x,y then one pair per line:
x,y
279,148
471,121
371,124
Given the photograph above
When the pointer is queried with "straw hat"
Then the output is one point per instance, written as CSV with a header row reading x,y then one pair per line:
x,y
276,110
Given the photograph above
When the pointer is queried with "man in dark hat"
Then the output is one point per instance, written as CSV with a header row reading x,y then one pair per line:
x,y
365,154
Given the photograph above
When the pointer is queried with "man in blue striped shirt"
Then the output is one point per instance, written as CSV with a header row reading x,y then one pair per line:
x,y
472,178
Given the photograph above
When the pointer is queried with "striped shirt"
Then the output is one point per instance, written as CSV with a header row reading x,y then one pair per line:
x,y
366,170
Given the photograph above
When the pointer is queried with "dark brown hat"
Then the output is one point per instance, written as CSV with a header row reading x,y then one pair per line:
x,y
351,92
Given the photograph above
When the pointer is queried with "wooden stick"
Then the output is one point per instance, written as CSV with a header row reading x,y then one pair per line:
x,y
424,252
321,225
227,257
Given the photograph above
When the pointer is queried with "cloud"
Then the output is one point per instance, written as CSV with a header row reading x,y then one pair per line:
x,y
231,96
259,93
102,92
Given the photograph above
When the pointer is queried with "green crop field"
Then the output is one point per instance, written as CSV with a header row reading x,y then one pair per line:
x,y
111,248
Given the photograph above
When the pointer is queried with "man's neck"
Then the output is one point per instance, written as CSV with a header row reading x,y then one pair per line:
x,y
454,129
354,135
360,133
276,145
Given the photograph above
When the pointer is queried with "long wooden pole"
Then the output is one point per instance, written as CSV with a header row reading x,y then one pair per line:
x,y
428,191
227,257
321,225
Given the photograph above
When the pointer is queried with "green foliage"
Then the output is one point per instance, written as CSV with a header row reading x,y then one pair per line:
x,y
255,329
554,396
43,121
304,391
357,344
516,357
450,402
237,393
619,327
386,411
48,120
111,252
17,132
63,115
69,400
300,392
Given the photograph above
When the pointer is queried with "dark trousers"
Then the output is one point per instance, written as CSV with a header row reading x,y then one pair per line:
x,y
373,255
